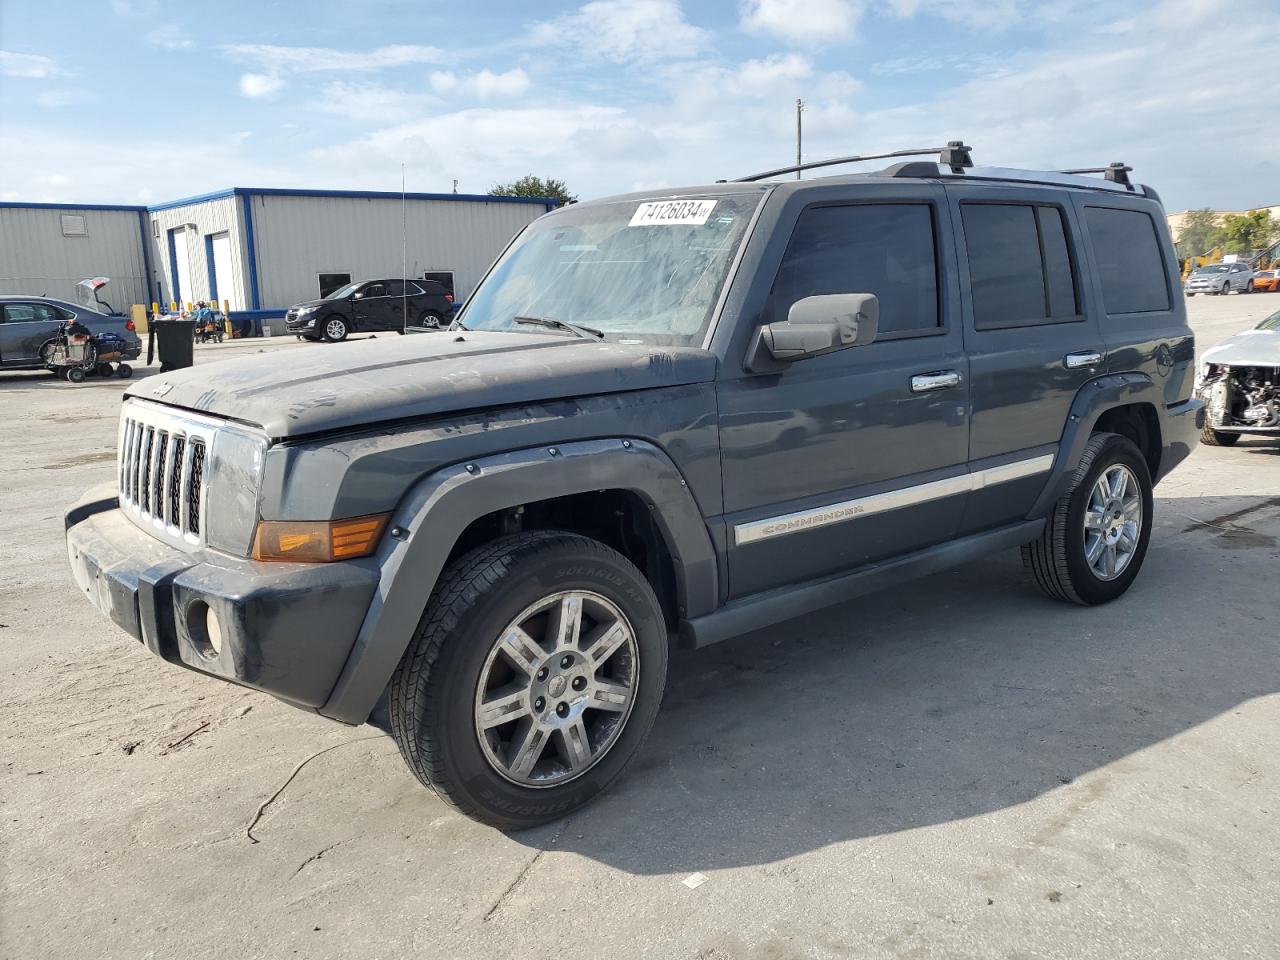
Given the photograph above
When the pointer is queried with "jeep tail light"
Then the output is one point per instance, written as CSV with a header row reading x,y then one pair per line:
x,y
318,541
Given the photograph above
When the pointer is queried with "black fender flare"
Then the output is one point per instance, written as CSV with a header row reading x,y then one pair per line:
x,y
437,509
1091,401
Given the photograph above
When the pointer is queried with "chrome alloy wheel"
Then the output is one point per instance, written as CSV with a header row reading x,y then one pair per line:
x,y
335,329
1112,522
557,689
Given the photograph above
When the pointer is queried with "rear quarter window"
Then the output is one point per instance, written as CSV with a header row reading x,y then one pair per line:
x,y
1131,268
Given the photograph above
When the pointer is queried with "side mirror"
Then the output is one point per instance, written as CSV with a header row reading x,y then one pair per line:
x,y
358,295
824,324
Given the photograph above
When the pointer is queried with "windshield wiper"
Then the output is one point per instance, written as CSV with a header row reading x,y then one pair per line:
x,y
586,333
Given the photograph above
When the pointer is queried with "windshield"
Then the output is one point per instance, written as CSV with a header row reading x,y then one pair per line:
x,y
643,270
343,292
1271,323
1216,268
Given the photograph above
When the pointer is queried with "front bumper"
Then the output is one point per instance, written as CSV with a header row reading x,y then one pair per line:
x,y
301,324
287,629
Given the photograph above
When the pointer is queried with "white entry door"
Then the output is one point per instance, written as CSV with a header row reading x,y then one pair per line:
x,y
227,289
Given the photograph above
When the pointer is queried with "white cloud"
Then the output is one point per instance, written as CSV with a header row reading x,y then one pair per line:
x,y
278,59
170,37
622,30
370,102
807,22
29,66
260,85
483,84
51,180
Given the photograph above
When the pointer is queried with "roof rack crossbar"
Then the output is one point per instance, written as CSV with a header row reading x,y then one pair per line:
x,y
1115,172
954,155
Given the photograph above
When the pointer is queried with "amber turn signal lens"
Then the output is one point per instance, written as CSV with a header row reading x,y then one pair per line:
x,y
318,541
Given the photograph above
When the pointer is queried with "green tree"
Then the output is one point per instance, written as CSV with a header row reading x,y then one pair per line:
x,y
1200,233
531,186
1247,232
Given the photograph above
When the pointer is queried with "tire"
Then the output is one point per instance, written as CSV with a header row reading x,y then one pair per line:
x,y
436,694
335,329
1057,560
76,374
1213,438
430,320
105,370
124,371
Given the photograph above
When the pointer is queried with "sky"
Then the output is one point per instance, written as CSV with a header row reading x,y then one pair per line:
x,y
140,101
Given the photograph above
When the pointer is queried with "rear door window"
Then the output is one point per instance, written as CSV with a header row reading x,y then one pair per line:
x,y
1019,265
888,249
1131,268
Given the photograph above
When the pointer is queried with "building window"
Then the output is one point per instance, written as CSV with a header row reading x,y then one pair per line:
x,y
330,282
73,225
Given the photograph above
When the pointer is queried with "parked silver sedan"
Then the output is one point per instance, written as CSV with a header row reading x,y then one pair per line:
x,y
1219,278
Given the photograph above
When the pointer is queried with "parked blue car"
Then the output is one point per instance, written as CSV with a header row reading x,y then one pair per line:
x,y
28,323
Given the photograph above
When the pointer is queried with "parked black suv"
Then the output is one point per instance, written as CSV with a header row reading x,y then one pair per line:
x,y
667,417
372,305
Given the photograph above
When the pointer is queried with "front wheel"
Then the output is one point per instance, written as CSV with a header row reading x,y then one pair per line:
x,y
335,330
1096,538
76,374
1215,438
533,679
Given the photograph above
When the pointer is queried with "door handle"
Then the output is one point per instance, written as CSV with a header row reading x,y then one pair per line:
x,y
1089,358
939,380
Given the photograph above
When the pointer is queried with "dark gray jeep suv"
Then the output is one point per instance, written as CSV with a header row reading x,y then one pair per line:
x,y
663,418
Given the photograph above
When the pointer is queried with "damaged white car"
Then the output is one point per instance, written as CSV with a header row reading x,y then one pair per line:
x,y
1239,381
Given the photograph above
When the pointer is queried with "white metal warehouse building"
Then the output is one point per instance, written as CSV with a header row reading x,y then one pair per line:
x,y
46,248
260,250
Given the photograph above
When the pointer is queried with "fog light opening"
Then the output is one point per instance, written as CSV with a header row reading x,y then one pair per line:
x,y
204,629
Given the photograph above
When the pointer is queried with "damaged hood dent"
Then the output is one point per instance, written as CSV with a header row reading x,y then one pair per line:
x,y
307,390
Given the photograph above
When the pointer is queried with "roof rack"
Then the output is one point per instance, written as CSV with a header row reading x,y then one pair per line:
x,y
955,155
1115,172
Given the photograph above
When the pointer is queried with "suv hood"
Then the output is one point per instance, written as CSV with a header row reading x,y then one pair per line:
x,y
312,304
313,389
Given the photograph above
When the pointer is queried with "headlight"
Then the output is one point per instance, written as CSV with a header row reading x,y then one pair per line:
x,y
318,541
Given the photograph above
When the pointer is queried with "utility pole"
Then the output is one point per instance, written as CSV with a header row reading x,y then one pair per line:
x,y
799,135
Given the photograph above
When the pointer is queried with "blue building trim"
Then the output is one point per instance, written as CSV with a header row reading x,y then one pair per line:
x,y
148,277
20,205
173,268
208,266
547,202
254,299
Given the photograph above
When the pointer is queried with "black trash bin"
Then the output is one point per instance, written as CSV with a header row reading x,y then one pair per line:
x,y
174,339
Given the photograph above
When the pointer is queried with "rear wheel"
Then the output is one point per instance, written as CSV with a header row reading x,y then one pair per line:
x,y
76,374
335,329
1096,538
430,320
1215,438
535,676
124,371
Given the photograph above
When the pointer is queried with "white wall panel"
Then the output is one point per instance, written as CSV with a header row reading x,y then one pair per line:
x,y
299,237
36,259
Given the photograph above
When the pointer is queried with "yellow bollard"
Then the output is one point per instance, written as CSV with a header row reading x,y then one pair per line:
x,y
173,306
155,307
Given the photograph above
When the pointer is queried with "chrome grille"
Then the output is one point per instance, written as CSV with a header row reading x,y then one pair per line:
x,y
162,470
